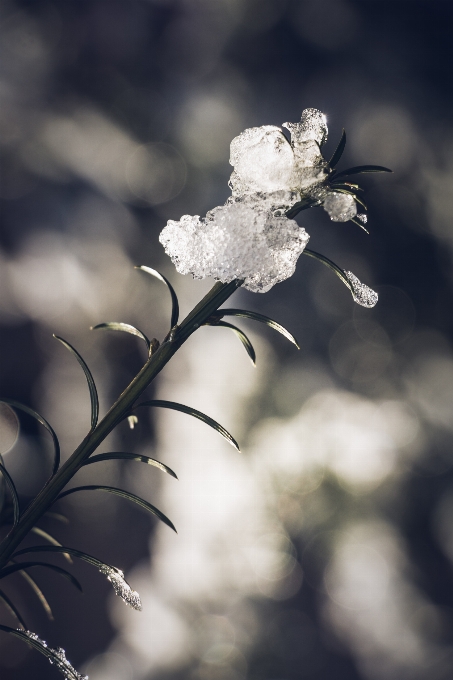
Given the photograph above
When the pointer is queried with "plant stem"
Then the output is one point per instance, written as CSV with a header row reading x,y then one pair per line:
x,y
46,497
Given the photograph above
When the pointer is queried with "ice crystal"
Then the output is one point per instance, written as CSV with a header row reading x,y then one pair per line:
x,y
59,659
341,207
122,587
362,294
312,127
236,241
250,238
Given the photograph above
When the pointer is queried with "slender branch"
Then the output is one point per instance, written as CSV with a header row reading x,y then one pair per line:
x,y
177,336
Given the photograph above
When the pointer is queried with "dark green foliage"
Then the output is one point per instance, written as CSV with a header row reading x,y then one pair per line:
x,y
12,488
124,328
124,494
254,316
338,151
241,335
91,384
44,423
174,299
10,606
120,455
361,169
23,566
192,412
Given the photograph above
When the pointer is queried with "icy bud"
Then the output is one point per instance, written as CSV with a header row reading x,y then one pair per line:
x,y
122,587
61,662
240,240
341,207
363,295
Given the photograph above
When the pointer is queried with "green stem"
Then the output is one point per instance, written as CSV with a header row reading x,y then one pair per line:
x,y
46,497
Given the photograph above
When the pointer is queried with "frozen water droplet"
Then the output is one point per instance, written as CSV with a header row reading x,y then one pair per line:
x,y
59,659
312,127
362,294
240,240
341,207
362,217
122,587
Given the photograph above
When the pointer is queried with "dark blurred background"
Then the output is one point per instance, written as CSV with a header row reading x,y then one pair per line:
x,y
325,549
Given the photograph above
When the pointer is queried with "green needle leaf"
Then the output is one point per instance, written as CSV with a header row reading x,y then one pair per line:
x,y
360,169
47,537
44,423
22,566
241,335
64,549
359,224
174,299
91,384
345,185
125,328
338,151
12,609
124,494
325,260
192,412
257,317
38,592
12,488
120,455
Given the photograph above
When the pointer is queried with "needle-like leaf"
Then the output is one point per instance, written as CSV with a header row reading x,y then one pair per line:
x,y
359,224
360,169
254,316
241,335
174,299
328,263
338,151
91,384
38,592
44,423
124,494
64,549
12,488
12,609
124,328
120,455
192,412
23,566
47,537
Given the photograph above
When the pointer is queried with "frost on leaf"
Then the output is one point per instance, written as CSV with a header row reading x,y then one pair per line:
x,y
341,207
60,661
363,295
240,240
122,587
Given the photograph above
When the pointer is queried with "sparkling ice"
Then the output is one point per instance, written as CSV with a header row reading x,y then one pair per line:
x,y
236,241
61,661
362,294
341,207
250,237
122,587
